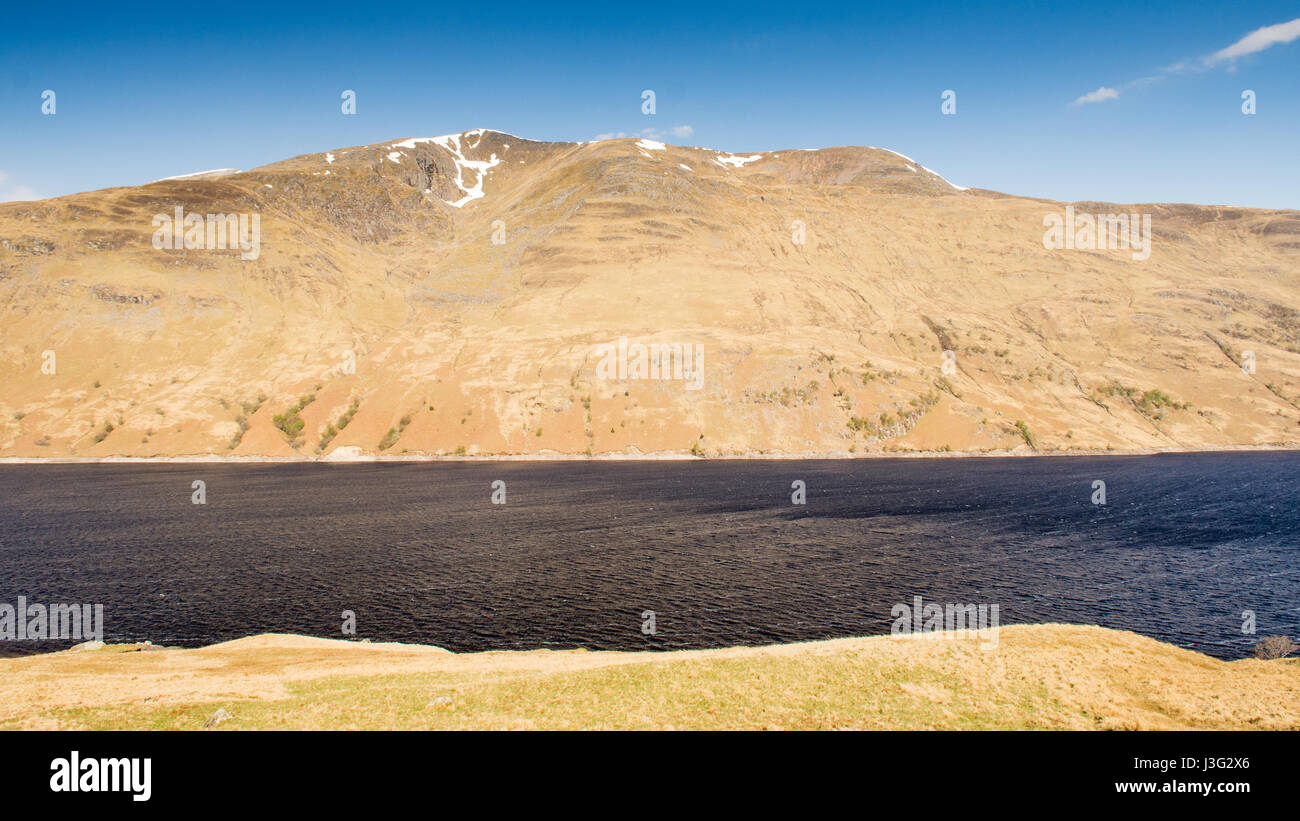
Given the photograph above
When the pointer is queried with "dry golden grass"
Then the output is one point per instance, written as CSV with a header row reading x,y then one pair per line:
x,y
1036,677
492,348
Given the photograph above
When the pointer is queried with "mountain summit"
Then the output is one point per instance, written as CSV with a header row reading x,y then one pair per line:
x,y
481,293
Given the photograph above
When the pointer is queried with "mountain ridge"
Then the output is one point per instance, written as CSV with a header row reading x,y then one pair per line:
x,y
452,295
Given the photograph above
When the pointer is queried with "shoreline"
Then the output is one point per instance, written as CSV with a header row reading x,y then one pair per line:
x,y
982,636
628,457
1034,676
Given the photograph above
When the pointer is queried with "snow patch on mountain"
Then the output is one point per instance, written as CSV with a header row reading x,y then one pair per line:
x,y
956,187
891,151
216,172
922,167
736,161
452,142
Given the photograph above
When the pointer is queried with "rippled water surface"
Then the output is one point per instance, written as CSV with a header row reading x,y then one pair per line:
x,y
1184,545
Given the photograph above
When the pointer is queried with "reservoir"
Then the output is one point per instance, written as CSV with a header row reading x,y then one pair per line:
x,y
1188,548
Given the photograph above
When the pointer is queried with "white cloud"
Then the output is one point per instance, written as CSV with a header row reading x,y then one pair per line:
x,y
1257,40
650,133
15,193
19,193
1100,95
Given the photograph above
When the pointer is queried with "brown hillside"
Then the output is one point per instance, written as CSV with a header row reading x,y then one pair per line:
x,y
830,347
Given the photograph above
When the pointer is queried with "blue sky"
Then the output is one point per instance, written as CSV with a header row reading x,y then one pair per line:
x,y
150,91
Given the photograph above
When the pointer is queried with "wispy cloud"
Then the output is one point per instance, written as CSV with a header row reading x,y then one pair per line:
x,y
15,193
652,133
1256,41
1097,96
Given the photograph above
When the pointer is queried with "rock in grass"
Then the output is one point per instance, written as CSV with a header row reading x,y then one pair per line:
x,y
216,718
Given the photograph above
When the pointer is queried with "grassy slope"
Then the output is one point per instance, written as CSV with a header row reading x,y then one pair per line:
x,y
828,347
1038,676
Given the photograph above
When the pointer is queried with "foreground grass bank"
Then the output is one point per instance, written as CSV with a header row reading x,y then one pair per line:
x,y
1036,677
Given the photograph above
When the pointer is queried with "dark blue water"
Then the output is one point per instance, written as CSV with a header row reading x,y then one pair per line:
x,y
1184,545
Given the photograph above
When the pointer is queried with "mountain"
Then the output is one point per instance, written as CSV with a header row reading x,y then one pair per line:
x,y
468,294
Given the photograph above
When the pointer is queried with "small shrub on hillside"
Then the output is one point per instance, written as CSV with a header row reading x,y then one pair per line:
x,y
394,434
1274,647
346,418
290,422
326,437
1023,430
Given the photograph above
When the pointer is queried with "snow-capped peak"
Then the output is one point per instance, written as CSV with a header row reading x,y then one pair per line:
x,y
216,172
